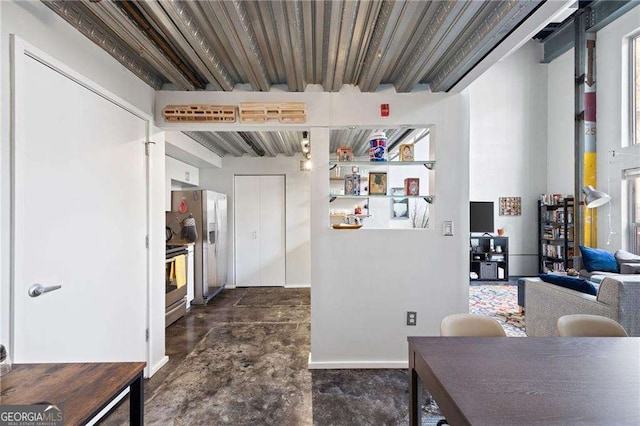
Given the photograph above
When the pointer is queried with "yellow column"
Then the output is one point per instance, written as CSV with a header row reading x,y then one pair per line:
x,y
590,235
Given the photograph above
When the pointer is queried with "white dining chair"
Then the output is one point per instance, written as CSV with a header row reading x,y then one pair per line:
x,y
583,325
470,325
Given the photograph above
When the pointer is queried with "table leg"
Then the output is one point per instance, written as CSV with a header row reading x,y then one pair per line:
x,y
415,413
136,402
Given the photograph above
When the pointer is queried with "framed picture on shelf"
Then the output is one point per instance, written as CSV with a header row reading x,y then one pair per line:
x,y
406,152
412,186
378,183
352,184
344,153
510,206
399,208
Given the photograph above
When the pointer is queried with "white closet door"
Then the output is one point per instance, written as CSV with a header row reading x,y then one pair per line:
x,y
272,222
247,224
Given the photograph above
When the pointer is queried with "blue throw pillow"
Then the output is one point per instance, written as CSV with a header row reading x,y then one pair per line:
x,y
573,283
598,260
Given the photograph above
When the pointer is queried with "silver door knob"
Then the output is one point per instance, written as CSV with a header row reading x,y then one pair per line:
x,y
38,289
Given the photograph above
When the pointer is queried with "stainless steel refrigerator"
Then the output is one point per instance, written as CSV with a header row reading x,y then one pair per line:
x,y
209,209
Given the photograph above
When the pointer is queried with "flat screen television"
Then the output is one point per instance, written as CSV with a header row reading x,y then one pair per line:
x,y
481,216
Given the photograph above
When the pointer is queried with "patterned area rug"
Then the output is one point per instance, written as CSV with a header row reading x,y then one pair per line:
x,y
499,302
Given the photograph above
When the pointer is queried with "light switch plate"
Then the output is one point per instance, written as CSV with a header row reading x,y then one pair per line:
x,y
447,228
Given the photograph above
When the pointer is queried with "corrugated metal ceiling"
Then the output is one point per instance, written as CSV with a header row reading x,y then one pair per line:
x,y
218,45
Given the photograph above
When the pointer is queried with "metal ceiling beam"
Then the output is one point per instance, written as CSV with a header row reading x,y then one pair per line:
x,y
234,21
450,20
503,18
76,14
605,12
559,42
599,15
182,27
118,22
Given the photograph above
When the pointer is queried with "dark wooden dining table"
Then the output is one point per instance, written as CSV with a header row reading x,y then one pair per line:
x,y
527,380
81,389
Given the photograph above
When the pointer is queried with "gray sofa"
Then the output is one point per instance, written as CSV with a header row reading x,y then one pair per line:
x,y
628,263
618,298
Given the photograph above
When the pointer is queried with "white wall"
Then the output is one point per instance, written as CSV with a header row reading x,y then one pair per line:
x,y
364,281
297,221
39,26
508,109
560,125
612,80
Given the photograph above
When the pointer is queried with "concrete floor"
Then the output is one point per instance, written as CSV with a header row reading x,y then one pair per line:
x,y
242,360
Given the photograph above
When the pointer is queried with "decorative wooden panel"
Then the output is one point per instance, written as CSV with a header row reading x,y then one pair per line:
x,y
285,112
200,113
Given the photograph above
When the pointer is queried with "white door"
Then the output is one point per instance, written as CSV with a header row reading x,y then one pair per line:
x,y
272,244
247,228
259,230
79,222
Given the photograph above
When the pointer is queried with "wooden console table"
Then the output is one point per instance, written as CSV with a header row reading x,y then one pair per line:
x,y
82,389
527,380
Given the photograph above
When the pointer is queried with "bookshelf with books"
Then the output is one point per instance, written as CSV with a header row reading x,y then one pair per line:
x,y
555,233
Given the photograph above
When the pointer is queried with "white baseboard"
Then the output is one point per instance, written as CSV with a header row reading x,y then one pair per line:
x,y
158,365
297,286
332,365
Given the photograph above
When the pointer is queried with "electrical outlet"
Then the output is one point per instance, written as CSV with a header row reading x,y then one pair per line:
x,y
412,318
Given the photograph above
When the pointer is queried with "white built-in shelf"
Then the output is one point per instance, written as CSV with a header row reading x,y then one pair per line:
x,y
428,198
428,164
